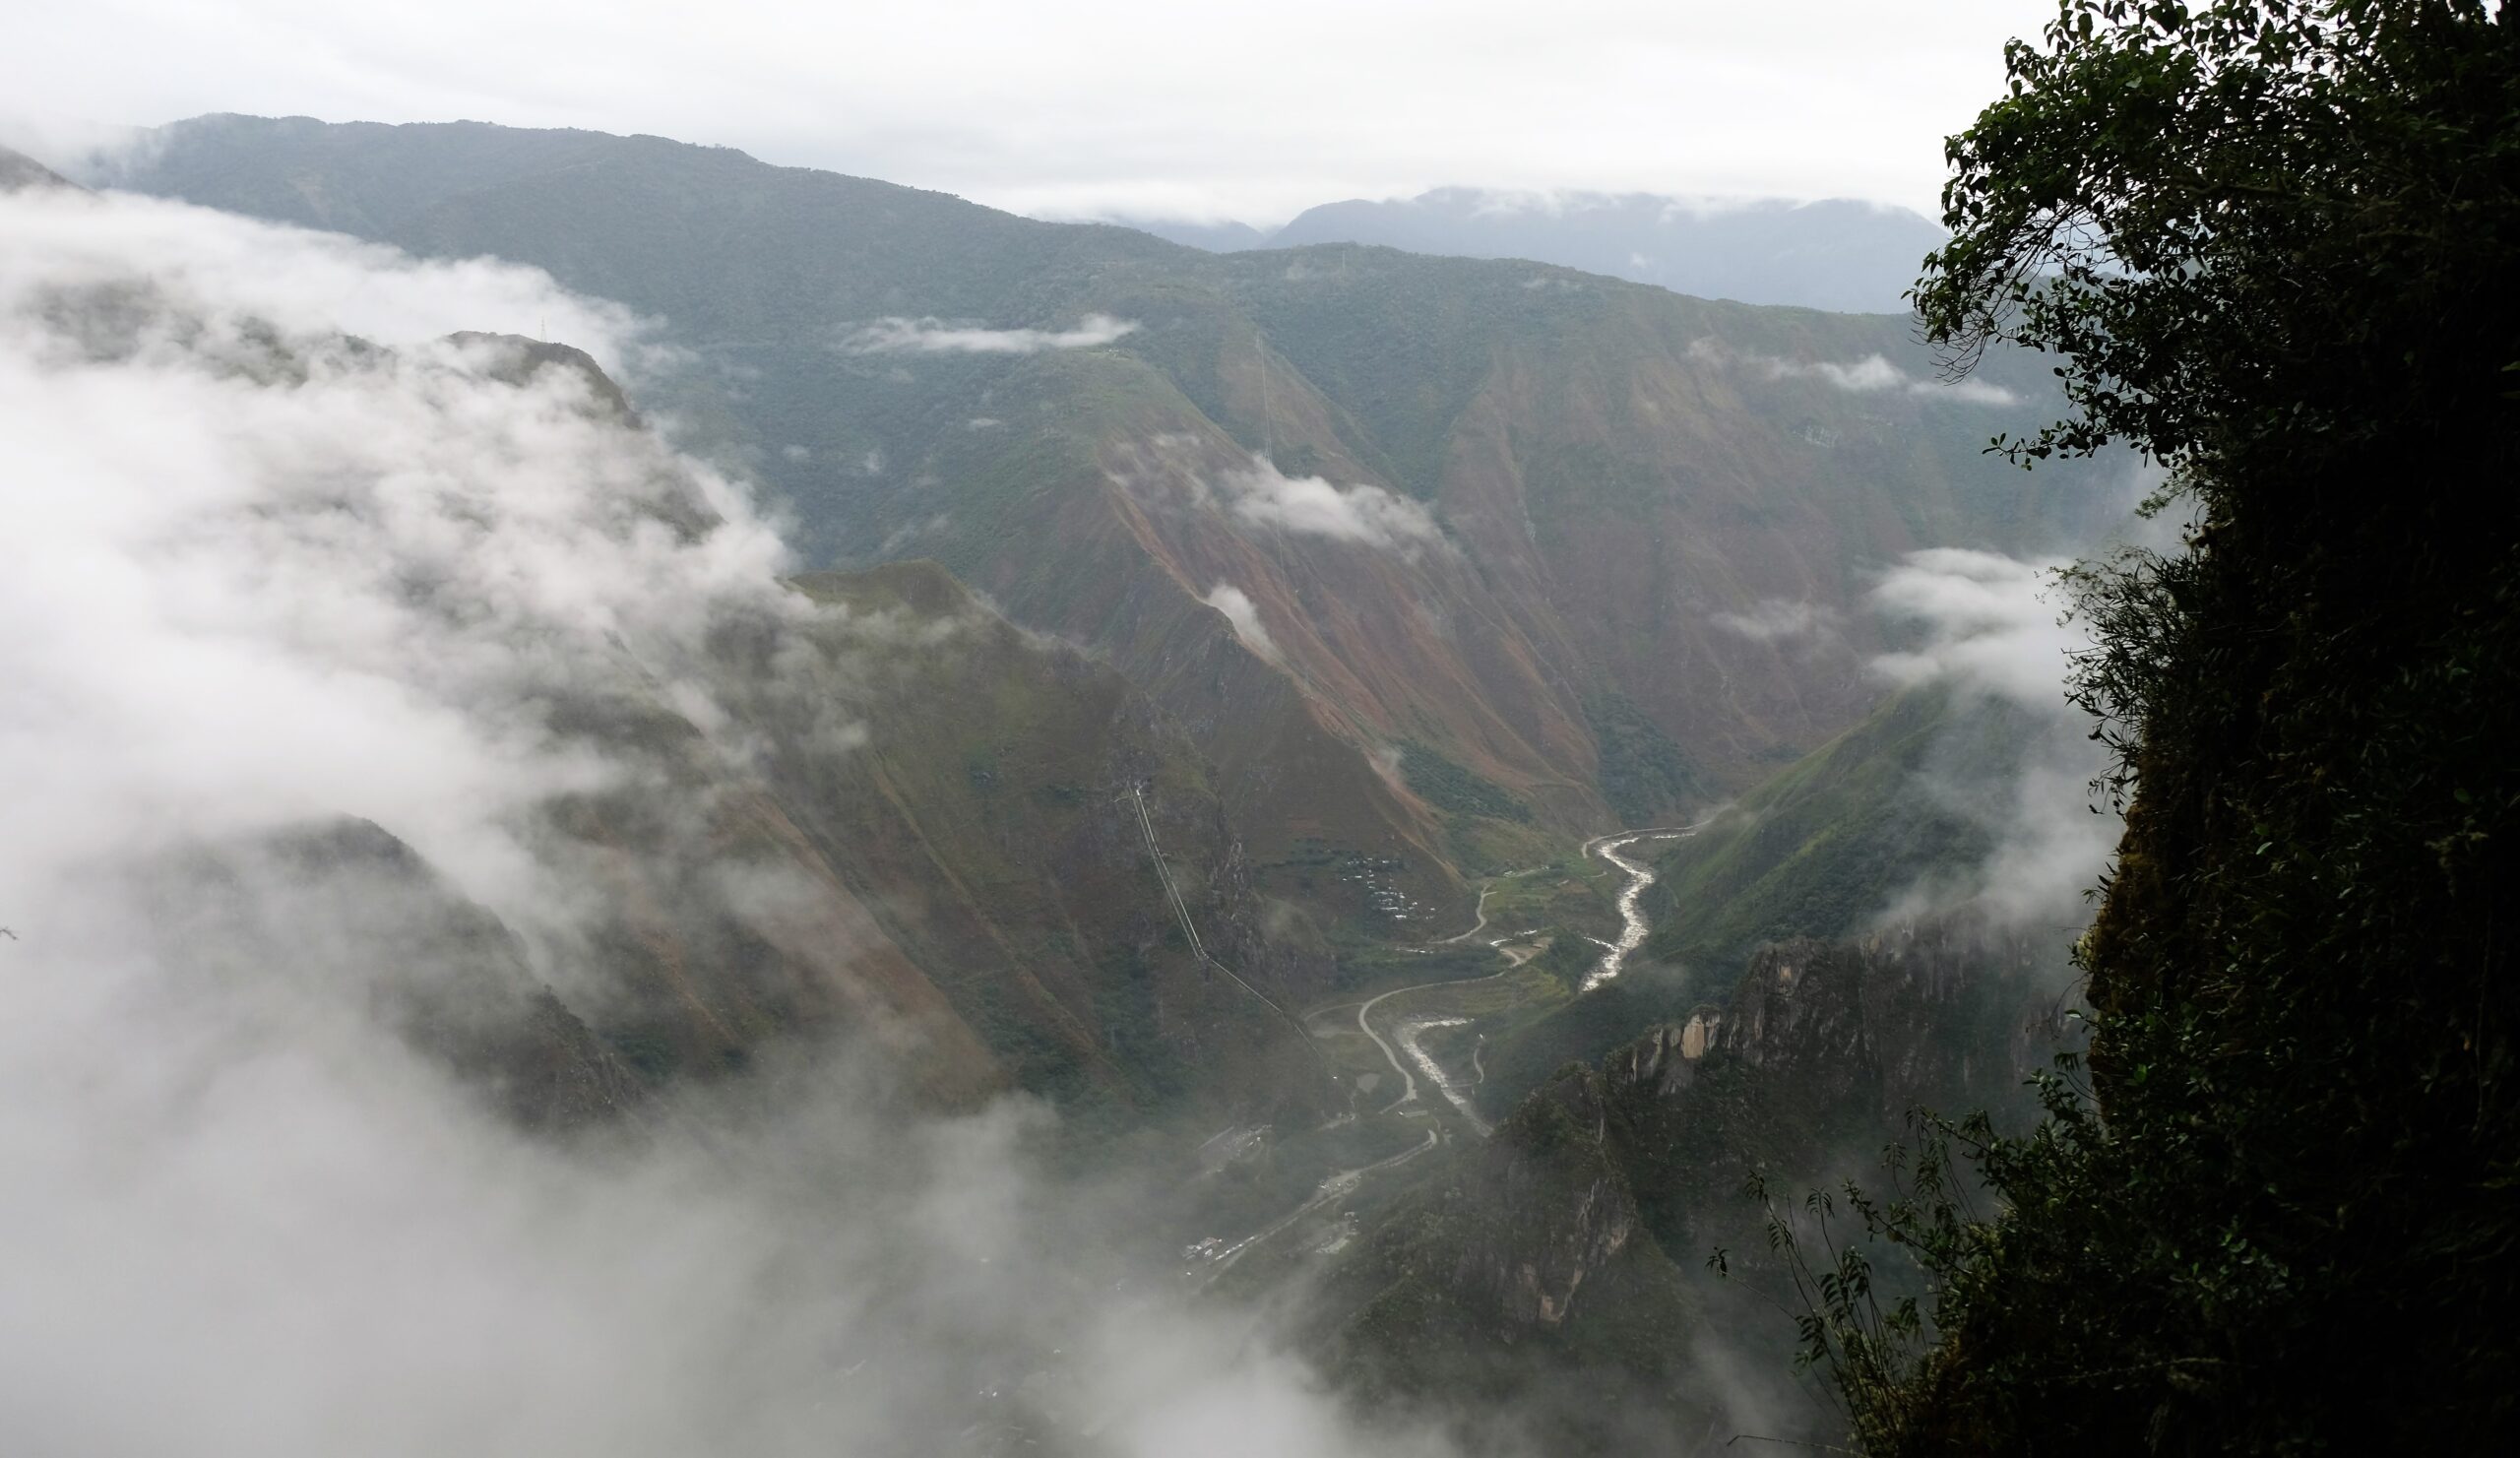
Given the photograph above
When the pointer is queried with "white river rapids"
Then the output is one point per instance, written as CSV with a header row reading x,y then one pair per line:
x,y
1632,928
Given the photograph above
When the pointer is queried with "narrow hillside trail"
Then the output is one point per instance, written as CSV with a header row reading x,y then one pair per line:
x,y
1485,892
1632,928
1477,926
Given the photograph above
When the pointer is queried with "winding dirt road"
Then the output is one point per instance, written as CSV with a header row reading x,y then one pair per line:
x,y
1408,1080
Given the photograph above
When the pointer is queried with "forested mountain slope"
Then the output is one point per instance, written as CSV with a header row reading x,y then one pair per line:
x,y
1579,550
859,807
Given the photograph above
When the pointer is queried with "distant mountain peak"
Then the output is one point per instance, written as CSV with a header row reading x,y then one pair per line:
x,y
1841,254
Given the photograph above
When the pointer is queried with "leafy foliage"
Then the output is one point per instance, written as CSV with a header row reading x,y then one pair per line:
x,y
1831,840
2271,244
1644,772
1447,786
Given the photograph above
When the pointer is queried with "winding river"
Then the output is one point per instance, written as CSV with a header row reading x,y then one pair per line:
x,y
1632,928
1408,1031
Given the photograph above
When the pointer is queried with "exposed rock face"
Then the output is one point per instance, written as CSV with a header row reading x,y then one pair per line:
x,y
348,911
517,361
1527,1248
1571,1240
1546,1205
1941,1012
1662,1063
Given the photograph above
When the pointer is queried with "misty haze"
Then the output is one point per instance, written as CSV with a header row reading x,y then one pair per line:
x,y
1313,729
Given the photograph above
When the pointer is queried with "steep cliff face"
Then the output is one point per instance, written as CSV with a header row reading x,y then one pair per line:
x,y
1574,1238
911,822
1499,1243
1519,1284
1547,1207
347,912
1815,1060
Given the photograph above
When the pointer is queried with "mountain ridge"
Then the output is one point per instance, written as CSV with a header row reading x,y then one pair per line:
x,y
1830,253
1458,503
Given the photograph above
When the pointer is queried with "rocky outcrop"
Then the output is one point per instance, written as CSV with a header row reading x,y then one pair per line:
x,y
355,917
515,360
1944,1012
1569,1249
1529,1242
1545,1204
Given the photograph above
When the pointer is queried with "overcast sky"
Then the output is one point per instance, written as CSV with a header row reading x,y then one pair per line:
x,y
1076,107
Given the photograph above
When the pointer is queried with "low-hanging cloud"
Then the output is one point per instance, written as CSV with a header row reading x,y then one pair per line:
x,y
1778,619
1311,506
1988,621
262,570
928,335
1990,626
1239,611
1873,374
264,575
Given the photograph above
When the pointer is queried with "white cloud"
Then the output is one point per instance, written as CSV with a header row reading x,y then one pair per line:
x,y
1239,611
1828,98
1990,625
1989,621
258,573
1971,391
259,577
1771,620
1311,506
1864,376
899,336
1872,374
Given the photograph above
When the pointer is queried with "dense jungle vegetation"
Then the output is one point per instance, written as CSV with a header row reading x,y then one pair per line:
x,y
2275,245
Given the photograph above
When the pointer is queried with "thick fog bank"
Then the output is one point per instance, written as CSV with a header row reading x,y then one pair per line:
x,y
1987,626
291,584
